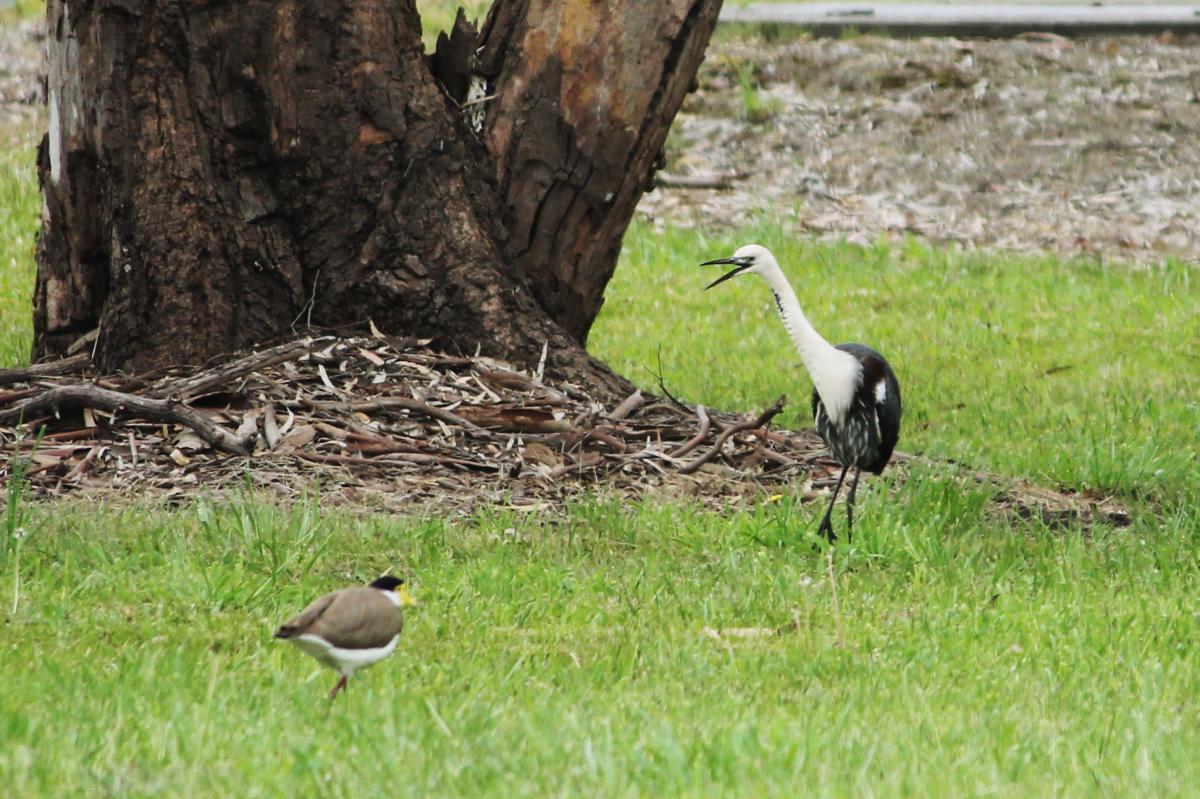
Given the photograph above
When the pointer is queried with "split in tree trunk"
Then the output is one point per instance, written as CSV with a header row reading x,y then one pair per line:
x,y
218,175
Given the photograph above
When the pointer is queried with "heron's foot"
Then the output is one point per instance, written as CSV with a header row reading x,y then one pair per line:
x,y
826,530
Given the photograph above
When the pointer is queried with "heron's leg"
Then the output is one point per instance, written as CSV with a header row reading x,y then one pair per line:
x,y
340,685
850,503
826,528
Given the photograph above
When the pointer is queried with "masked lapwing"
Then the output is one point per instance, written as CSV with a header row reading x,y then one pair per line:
x,y
353,628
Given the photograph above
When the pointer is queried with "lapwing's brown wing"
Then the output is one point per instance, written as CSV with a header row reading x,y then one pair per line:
x,y
299,624
353,618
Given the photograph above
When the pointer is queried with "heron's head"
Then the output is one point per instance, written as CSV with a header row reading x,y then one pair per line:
x,y
751,259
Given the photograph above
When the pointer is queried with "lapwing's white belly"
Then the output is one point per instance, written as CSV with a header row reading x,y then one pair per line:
x,y
344,661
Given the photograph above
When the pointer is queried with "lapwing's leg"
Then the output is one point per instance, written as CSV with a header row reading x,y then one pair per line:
x,y
340,685
826,528
850,504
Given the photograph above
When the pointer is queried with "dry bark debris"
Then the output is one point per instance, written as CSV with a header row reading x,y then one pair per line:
x,y
388,422
382,422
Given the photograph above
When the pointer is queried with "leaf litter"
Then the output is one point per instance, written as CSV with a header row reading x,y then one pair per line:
x,y
386,423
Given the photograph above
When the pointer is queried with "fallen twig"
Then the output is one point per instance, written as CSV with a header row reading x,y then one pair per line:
x,y
756,422
384,404
695,440
75,364
628,406
18,394
86,395
188,387
586,461
662,386
404,457
716,180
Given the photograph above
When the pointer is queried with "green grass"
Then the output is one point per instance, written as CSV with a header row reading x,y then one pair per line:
x,y
19,203
21,10
975,653
438,16
568,657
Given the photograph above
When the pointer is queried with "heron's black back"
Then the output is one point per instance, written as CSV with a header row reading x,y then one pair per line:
x,y
868,432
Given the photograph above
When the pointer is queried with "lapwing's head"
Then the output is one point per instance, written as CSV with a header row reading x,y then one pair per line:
x,y
751,259
389,583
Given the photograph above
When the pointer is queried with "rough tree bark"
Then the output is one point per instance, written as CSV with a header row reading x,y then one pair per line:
x,y
218,174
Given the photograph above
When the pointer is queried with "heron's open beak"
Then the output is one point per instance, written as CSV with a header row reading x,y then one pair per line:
x,y
741,264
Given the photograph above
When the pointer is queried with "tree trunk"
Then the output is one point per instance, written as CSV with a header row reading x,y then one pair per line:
x,y
217,175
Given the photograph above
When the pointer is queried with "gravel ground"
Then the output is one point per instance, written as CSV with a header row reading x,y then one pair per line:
x,y
1041,144
22,65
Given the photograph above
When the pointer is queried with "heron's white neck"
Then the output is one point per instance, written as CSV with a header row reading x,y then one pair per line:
x,y
835,374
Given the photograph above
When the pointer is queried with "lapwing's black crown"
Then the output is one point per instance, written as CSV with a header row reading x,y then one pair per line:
x,y
387,583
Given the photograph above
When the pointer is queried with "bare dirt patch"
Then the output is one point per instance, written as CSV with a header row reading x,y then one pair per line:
x,y
1075,147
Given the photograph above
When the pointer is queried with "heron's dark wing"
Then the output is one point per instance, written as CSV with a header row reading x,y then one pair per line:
x,y
880,393
888,410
